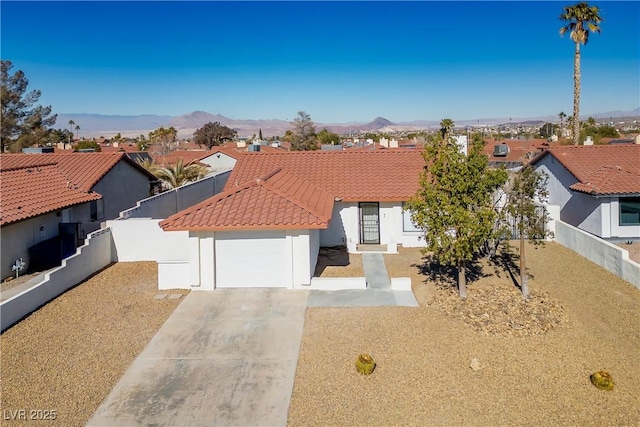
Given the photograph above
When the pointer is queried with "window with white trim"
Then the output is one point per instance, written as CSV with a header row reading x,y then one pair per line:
x,y
629,210
407,224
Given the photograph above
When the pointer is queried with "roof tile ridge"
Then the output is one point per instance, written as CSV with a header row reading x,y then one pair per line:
x,y
208,202
19,167
296,200
268,175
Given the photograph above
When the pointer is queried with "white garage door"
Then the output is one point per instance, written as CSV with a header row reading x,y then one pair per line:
x,y
250,259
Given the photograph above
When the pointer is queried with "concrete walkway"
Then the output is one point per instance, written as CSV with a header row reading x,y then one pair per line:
x,y
378,292
226,357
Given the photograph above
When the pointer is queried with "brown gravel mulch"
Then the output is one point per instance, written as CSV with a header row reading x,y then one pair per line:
x,y
67,356
434,368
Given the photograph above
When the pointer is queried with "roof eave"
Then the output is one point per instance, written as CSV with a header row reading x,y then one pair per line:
x,y
249,227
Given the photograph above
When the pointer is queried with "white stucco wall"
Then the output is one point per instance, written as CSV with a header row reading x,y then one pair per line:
x,y
344,228
143,240
603,253
94,255
578,209
617,230
389,225
288,260
336,234
219,161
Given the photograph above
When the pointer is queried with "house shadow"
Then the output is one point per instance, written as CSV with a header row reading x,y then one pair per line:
x,y
334,256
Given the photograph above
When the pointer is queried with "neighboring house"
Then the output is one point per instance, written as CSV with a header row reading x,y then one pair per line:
x,y
513,153
218,159
54,200
278,209
597,187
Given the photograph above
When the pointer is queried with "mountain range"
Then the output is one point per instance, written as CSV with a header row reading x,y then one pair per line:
x,y
95,125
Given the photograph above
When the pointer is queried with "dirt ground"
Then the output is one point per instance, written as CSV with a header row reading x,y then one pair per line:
x,y
634,250
435,366
63,360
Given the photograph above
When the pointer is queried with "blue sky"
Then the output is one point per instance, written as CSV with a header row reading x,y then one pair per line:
x,y
338,61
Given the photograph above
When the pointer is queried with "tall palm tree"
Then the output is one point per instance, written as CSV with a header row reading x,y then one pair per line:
x,y
582,19
71,123
77,131
562,116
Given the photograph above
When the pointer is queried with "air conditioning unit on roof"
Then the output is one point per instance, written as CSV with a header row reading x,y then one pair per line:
x,y
500,150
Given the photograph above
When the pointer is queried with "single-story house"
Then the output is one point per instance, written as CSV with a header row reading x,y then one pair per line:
x,y
278,209
597,187
50,202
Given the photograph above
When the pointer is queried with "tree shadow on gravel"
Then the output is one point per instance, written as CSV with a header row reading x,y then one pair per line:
x,y
447,275
507,260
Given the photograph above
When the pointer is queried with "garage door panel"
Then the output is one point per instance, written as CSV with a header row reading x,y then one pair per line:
x,y
255,259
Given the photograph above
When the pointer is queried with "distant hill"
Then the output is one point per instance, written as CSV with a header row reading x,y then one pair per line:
x,y
107,125
95,125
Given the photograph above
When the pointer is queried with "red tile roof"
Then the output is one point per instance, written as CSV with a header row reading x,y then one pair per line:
x,y
520,151
601,169
381,175
29,191
275,200
83,170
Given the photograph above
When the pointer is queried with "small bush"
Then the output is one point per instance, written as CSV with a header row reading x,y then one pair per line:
x,y
365,364
602,380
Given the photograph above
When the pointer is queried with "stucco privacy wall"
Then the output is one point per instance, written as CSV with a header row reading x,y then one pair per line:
x,y
139,239
137,235
18,237
603,253
94,255
170,202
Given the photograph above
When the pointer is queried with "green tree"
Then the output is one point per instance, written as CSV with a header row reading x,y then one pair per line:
x,y
149,164
303,133
83,145
21,116
526,193
142,143
164,137
454,203
77,131
260,134
326,137
547,130
57,136
179,174
581,20
213,134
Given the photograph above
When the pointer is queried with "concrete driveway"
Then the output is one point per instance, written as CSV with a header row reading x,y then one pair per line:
x,y
222,358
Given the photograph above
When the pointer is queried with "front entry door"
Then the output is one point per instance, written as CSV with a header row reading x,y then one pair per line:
x,y
369,223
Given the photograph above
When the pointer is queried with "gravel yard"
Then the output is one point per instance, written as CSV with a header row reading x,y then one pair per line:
x,y
66,357
424,374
